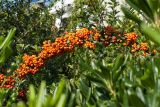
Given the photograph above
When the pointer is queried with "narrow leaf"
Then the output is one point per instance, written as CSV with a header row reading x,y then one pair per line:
x,y
152,33
130,15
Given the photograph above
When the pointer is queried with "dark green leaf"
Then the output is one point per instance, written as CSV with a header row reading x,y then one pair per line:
x,y
130,15
136,101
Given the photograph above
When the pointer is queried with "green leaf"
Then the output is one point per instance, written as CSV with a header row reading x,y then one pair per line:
x,y
136,101
1,39
21,104
127,82
151,32
62,101
2,57
154,5
31,96
71,100
141,5
8,38
8,51
58,92
156,65
125,100
97,81
5,50
146,8
41,95
84,88
132,3
4,54
148,79
130,15
118,62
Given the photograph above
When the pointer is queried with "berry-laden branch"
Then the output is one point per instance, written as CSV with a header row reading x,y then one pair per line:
x,y
81,38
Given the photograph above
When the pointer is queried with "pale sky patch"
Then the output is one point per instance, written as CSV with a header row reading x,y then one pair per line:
x,y
59,5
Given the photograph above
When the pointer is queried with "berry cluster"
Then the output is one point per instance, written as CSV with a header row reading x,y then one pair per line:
x,y
112,35
109,30
81,38
135,47
6,82
22,93
131,38
66,43
142,47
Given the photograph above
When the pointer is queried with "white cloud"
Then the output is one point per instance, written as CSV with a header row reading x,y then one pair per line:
x,y
58,5
58,22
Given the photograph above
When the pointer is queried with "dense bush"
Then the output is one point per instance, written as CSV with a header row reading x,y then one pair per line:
x,y
33,22
112,65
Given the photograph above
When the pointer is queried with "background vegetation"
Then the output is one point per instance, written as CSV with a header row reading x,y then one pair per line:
x,y
117,65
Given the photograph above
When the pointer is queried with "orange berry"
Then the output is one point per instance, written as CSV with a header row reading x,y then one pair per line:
x,y
144,47
131,38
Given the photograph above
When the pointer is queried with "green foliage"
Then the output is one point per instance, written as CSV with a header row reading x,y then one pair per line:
x,y
102,87
34,23
105,77
149,10
152,33
86,11
5,49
